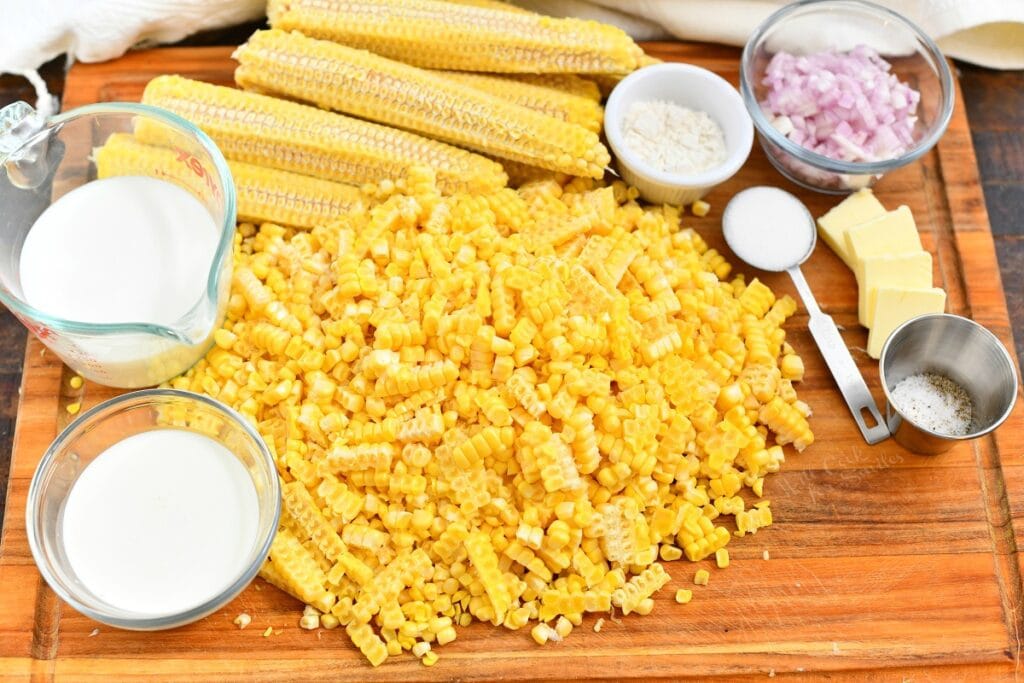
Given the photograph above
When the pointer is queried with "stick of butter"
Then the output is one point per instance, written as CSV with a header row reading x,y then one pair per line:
x,y
892,233
859,207
913,271
895,306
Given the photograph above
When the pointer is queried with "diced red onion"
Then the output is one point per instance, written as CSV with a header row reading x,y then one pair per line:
x,y
846,106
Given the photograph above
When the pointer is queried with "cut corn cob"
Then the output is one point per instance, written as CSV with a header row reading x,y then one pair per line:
x,y
567,83
567,107
442,35
263,194
520,174
607,82
373,87
492,4
270,132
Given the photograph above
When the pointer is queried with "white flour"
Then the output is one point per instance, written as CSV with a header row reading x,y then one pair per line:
x,y
672,138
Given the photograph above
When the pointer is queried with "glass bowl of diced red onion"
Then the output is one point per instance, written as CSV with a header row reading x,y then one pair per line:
x,y
843,91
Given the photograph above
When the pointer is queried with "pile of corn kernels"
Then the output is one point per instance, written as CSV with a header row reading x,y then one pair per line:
x,y
505,408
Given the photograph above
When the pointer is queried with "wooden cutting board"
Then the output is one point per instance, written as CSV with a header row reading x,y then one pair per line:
x,y
883,564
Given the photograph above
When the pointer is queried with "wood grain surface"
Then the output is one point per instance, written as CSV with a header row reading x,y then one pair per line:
x,y
883,564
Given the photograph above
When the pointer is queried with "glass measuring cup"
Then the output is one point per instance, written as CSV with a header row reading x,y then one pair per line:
x,y
41,161
747,226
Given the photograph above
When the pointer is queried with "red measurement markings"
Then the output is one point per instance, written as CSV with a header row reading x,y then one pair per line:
x,y
196,166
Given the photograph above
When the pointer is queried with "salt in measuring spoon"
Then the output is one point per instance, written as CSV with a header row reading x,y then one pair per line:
x,y
771,229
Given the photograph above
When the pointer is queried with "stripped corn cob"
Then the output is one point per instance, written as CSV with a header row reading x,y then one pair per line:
x,y
570,84
440,35
491,4
520,174
606,82
275,133
567,107
373,87
262,194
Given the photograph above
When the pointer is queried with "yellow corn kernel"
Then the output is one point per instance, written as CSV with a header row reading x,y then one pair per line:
x,y
670,553
73,408
429,659
541,633
242,620
701,577
792,367
722,558
684,595
700,208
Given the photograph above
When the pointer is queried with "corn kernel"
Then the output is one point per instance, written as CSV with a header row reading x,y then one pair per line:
x,y
700,208
722,558
541,633
701,577
421,648
242,620
684,595
598,624
75,382
73,408
670,553
430,658
309,622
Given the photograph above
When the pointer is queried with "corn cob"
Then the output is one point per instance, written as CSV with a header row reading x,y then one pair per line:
x,y
520,174
570,84
607,82
373,87
561,105
491,4
442,35
270,132
263,194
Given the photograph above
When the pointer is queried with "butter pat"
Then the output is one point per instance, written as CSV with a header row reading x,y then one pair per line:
x,y
859,207
895,306
892,233
910,271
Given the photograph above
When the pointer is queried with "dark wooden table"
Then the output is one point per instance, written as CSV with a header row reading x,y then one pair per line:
x,y
995,104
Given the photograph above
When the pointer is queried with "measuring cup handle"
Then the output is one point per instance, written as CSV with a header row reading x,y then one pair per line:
x,y
847,376
17,122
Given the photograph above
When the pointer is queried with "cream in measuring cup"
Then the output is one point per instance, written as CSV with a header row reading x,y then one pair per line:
x,y
125,277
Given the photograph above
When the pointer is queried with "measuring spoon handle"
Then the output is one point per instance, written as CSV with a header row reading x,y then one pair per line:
x,y
841,364
846,374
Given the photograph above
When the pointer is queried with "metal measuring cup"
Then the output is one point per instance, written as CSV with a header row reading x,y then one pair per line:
x,y
963,351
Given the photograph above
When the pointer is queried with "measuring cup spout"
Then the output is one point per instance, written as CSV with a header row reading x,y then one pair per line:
x,y
198,324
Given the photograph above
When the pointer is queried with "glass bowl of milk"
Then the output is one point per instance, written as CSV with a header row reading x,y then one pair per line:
x,y
153,509
123,268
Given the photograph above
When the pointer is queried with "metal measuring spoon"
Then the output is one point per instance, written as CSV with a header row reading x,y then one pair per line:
x,y
772,230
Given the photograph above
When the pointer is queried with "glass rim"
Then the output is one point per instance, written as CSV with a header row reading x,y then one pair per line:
x,y
224,245
148,622
766,129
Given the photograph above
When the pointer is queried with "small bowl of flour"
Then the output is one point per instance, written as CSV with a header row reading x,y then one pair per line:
x,y
677,131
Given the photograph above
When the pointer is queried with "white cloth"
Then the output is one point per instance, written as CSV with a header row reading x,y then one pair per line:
x,y
985,32
32,32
